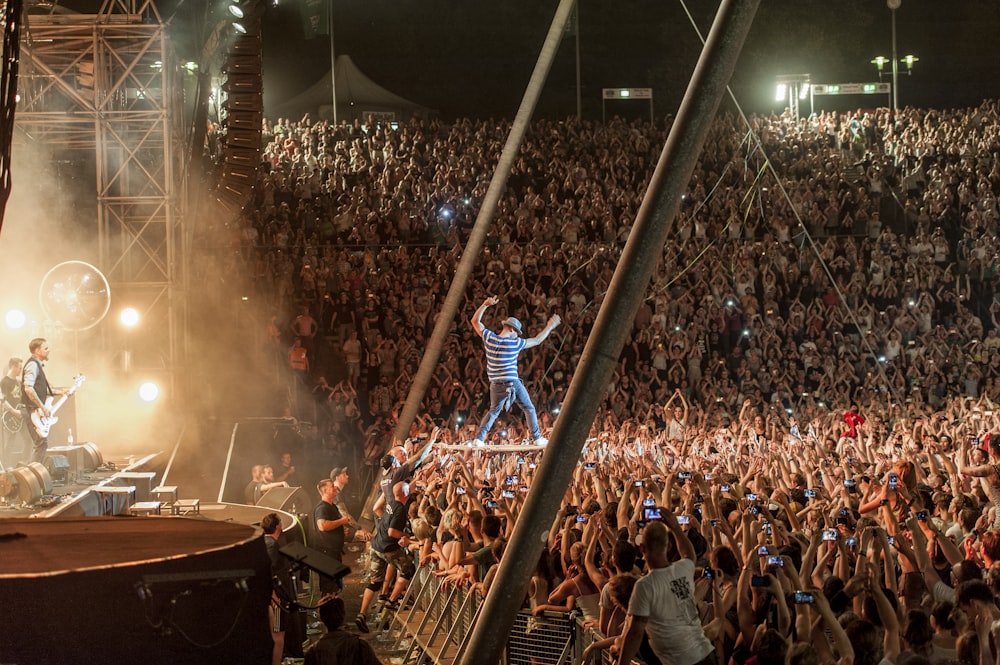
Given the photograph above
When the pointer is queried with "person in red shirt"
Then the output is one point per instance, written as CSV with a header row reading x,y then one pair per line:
x,y
853,420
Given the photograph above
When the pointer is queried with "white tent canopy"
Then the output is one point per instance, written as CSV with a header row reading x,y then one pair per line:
x,y
357,96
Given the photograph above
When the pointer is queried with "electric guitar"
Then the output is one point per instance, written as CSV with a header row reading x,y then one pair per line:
x,y
43,423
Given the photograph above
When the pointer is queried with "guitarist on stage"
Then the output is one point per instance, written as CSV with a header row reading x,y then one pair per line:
x,y
35,390
10,407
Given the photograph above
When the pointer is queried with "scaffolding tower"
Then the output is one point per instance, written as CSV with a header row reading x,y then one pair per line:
x,y
108,84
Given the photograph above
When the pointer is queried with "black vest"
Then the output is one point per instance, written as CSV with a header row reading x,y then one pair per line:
x,y
41,384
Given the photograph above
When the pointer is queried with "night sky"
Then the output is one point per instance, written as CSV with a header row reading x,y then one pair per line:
x,y
472,58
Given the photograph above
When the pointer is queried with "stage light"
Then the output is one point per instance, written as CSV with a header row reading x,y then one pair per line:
x,y
804,91
236,11
149,391
780,92
238,27
129,317
15,319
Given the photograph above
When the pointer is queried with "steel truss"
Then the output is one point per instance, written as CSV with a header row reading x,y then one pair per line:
x,y
108,83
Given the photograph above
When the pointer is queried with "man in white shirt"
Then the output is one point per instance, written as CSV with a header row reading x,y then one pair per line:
x,y
663,603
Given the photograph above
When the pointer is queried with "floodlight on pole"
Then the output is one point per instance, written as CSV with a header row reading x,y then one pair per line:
x,y
792,88
893,5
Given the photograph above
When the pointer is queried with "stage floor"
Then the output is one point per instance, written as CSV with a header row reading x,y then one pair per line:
x,y
77,484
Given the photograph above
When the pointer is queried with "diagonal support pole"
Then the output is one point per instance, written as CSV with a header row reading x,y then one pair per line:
x,y
628,287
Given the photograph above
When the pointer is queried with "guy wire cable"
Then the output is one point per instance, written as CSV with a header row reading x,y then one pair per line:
x,y
840,296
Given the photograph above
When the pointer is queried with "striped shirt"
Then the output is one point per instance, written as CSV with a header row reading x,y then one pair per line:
x,y
501,356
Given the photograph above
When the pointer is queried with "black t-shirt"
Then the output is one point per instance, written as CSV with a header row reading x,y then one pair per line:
x,y
328,542
394,517
11,390
400,474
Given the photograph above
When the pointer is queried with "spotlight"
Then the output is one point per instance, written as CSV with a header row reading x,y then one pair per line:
x,y
239,27
236,11
149,391
804,91
780,92
129,317
15,319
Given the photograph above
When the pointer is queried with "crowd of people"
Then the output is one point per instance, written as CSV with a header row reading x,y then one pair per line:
x,y
798,431
357,231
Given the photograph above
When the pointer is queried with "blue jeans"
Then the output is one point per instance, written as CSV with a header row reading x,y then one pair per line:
x,y
498,397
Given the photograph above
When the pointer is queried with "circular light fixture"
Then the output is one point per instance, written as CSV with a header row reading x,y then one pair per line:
x,y
76,294
129,317
149,391
15,319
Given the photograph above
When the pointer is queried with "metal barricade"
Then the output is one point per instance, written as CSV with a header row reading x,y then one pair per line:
x,y
434,620
550,639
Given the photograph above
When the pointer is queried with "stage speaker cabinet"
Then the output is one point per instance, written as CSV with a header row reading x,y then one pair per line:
x,y
143,481
33,482
315,560
58,467
292,500
83,458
